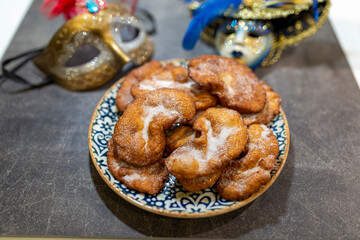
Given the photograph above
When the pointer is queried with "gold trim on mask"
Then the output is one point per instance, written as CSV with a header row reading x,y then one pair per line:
x,y
283,41
255,9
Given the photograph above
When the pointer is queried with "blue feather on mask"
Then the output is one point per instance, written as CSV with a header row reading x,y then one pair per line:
x,y
204,15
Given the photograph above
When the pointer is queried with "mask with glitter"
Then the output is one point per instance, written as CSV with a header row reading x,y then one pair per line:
x,y
246,40
92,47
254,31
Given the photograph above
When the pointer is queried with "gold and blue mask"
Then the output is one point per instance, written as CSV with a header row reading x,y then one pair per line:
x,y
254,31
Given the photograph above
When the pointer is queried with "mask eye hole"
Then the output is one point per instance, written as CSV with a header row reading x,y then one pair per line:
x,y
83,54
128,33
228,31
254,34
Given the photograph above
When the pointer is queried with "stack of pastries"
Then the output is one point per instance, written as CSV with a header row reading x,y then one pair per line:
x,y
208,119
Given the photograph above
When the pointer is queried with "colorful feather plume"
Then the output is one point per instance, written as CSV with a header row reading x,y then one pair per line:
x,y
54,8
70,8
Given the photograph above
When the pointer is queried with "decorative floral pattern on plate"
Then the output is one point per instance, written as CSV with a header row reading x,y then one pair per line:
x,y
173,200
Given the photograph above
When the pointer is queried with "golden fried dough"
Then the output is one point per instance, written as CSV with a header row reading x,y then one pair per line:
x,y
175,77
203,100
178,137
232,82
223,137
242,177
149,179
139,137
169,77
271,109
196,184
124,97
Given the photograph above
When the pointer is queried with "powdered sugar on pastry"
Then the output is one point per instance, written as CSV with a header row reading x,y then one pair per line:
x,y
151,85
215,141
244,176
223,137
175,77
124,97
139,137
233,83
151,113
132,177
271,108
149,179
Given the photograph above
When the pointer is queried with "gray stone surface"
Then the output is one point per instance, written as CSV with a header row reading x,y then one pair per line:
x,y
49,186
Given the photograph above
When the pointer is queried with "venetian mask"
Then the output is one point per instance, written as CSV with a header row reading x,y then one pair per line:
x,y
90,49
254,31
246,40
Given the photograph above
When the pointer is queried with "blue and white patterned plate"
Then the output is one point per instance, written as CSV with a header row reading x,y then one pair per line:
x,y
173,200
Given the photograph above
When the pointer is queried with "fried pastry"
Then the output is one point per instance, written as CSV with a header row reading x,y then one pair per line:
x,y
232,82
149,179
196,184
198,114
178,137
124,97
175,77
139,137
242,177
223,137
271,109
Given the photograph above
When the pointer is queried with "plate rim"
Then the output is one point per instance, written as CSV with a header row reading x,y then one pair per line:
x,y
177,214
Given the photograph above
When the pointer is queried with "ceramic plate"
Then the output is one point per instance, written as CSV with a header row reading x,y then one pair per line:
x,y
173,200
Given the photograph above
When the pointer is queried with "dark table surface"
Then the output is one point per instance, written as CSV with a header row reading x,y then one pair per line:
x,y
50,187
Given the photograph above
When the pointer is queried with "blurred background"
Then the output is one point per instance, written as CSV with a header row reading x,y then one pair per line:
x,y
344,18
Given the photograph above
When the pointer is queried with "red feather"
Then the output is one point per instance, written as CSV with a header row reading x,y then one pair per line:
x,y
53,8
